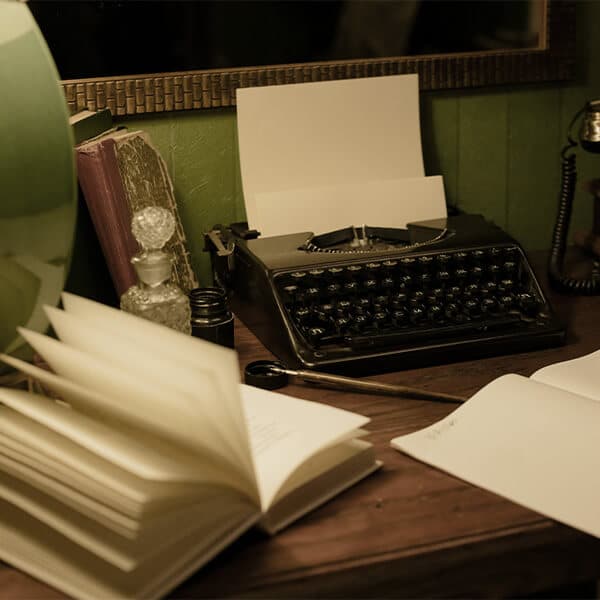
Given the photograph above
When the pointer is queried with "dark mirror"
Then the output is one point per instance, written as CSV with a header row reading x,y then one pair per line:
x,y
126,38
138,56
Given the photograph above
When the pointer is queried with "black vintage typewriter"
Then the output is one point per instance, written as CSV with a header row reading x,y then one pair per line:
x,y
371,299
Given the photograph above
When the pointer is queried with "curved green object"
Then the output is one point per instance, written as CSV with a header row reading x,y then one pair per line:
x,y
38,202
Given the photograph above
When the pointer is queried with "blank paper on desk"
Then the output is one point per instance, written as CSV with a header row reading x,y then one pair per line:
x,y
534,441
323,134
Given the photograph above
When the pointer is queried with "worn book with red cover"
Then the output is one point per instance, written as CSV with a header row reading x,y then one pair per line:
x,y
121,172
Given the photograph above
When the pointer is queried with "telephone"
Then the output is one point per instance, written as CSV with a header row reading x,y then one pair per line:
x,y
589,139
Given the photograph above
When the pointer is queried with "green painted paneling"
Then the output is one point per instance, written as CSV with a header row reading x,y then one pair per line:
x,y
439,125
204,175
482,155
532,177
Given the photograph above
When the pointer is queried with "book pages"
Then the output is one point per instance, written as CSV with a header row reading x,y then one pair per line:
x,y
53,558
139,402
92,428
297,429
193,391
152,457
212,360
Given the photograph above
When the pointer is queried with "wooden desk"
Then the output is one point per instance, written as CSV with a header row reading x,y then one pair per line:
x,y
408,530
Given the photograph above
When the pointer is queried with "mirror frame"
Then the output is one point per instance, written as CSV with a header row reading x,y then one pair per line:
x,y
203,89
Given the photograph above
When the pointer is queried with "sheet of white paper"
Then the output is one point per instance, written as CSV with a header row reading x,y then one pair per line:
x,y
285,432
385,203
325,134
580,375
531,443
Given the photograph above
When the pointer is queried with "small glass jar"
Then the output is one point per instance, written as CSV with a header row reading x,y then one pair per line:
x,y
211,318
155,297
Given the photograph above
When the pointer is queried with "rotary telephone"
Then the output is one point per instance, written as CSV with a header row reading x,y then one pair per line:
x,y
589,139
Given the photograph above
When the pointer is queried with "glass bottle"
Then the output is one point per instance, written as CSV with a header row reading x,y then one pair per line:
x,y
155,297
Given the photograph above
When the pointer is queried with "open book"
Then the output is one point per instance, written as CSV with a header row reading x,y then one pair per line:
x,y
155,458
535,441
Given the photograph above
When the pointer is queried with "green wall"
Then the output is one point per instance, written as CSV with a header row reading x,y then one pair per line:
x,y
497,148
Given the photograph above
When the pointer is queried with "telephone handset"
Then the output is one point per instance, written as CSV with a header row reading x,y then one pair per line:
x,y
589,138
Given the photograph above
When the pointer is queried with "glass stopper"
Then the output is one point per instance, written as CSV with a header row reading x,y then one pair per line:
x,y
152,227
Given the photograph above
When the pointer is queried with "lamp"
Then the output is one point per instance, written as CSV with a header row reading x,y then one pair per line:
x,y
37,179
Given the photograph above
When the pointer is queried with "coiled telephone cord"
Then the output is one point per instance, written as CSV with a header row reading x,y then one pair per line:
x,y
559,238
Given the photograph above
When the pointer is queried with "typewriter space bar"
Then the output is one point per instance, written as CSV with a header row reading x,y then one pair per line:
x,y
429,333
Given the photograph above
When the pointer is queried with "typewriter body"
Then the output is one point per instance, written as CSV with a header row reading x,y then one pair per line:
x,y
377,299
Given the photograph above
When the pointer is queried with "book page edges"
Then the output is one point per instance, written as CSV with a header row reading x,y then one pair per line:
x,y
61,571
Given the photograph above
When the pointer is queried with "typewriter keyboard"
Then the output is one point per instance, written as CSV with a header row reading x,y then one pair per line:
x,y
377,303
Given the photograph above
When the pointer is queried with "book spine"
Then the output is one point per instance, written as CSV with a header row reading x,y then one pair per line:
x,y
105,197
146,182
182,271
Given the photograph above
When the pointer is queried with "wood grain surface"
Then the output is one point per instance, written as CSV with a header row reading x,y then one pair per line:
x,y
408,530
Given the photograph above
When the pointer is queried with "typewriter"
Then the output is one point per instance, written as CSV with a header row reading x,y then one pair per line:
x,y
372,299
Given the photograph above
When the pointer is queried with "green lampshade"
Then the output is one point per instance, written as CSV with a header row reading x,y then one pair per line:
x,y
38,205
